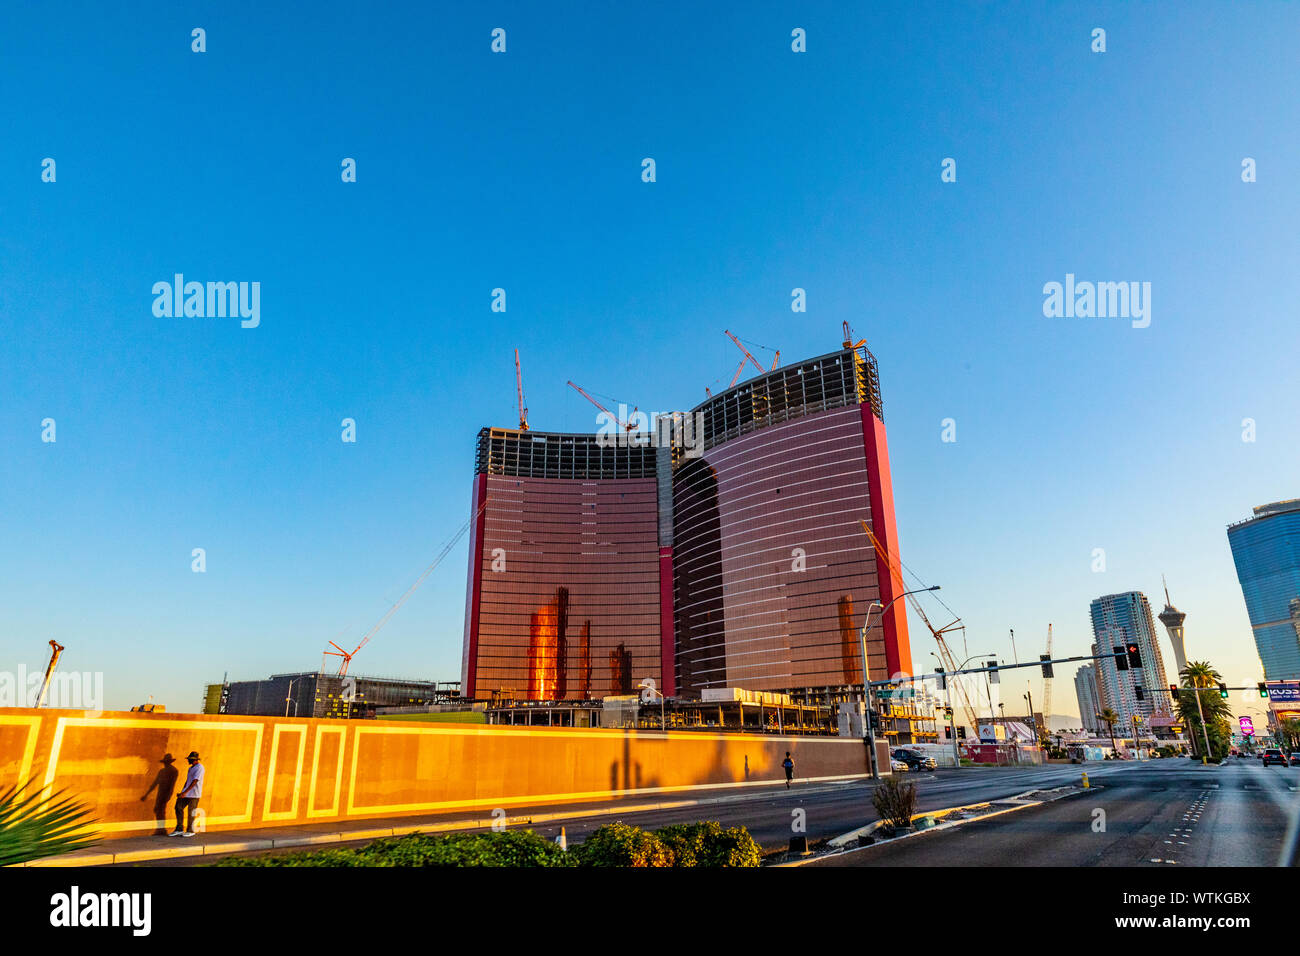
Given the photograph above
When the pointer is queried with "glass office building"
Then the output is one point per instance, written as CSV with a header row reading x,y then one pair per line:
x,y
730,556
773,572
1266,550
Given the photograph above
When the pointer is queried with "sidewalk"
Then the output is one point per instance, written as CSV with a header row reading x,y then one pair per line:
x,y
142,849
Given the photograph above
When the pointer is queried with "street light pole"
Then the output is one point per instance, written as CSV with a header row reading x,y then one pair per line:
x,y
870,736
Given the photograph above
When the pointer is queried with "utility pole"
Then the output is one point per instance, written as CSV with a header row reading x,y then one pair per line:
x,y
870,734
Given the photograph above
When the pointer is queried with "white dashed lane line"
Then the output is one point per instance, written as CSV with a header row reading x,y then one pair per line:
x,y
1183,834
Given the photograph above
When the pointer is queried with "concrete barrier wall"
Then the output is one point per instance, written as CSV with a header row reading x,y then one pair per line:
x,y
273,771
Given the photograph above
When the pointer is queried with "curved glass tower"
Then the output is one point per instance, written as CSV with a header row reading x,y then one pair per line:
x,y
1266,549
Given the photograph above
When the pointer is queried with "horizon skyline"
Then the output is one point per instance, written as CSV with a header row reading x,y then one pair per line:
x,y
1022,442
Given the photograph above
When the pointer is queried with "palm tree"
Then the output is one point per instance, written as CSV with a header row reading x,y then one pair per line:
x,y
1111,718
1201,704
1289,730
1200,674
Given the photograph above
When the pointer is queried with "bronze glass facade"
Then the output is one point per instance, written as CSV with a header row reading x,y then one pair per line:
x,y
734,557
564,577
773,571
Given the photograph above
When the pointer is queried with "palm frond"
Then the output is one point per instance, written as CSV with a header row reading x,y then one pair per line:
x,y
34,824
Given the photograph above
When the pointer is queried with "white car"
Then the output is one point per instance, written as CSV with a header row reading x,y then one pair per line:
x,y
896,765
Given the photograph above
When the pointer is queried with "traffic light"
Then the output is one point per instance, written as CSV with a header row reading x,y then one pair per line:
x,y
1134,655
947,733
1263,689
961,733
1173,689
947,713
1140,692
943,678
1047,665
1223,690
1121,657
993,672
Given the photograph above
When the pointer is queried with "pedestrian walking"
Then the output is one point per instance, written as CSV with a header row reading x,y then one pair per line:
x,y
789,769
187,801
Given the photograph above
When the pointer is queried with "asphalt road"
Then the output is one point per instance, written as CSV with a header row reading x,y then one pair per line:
x,y
823,810
1160,813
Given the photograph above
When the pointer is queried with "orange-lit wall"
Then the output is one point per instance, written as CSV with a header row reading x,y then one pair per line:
x,y
275,771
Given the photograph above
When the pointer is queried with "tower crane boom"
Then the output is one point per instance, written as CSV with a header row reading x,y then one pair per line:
x,y
626,426
945,654
519,387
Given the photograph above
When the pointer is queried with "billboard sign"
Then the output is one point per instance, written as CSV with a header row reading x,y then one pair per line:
x,y
1284,694
1247,727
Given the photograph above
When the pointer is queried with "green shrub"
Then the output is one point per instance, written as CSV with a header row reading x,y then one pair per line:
x,y
730,847
522,848
617,844
686,841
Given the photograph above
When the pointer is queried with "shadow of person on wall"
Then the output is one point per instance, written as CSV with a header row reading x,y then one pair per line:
x,y
165,783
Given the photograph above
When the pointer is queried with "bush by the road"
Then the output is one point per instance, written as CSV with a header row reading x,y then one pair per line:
x,y
507,848
705,844
895,801
708,844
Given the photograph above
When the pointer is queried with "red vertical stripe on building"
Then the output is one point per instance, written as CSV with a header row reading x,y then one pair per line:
x,y
479,515
898,649
668,663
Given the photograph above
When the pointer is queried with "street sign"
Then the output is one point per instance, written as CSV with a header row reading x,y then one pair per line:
x,y
1283,692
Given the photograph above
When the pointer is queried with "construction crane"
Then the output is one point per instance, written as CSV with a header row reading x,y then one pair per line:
x,y
848,339
519,386
626,426
749,355
1047,685
347,657
55,650
945,654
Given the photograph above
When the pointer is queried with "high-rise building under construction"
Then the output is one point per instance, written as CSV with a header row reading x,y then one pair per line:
x,y
729,555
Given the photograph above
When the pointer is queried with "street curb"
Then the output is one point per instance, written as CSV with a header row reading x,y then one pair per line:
x,y
346,836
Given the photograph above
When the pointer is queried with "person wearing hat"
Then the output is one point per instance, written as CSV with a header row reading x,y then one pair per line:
x,y
187,801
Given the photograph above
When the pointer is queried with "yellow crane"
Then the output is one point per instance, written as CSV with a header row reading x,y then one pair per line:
x,y
945,655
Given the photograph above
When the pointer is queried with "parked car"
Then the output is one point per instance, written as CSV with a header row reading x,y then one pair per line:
x,y
896,765
1295,758
1273,755
915,760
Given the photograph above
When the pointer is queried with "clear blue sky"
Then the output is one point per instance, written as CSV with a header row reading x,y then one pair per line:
x,y
775,170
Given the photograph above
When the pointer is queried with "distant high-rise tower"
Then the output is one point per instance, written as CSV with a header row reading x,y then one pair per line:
x,y
1266,550
1118,620
1172,619
1089,696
